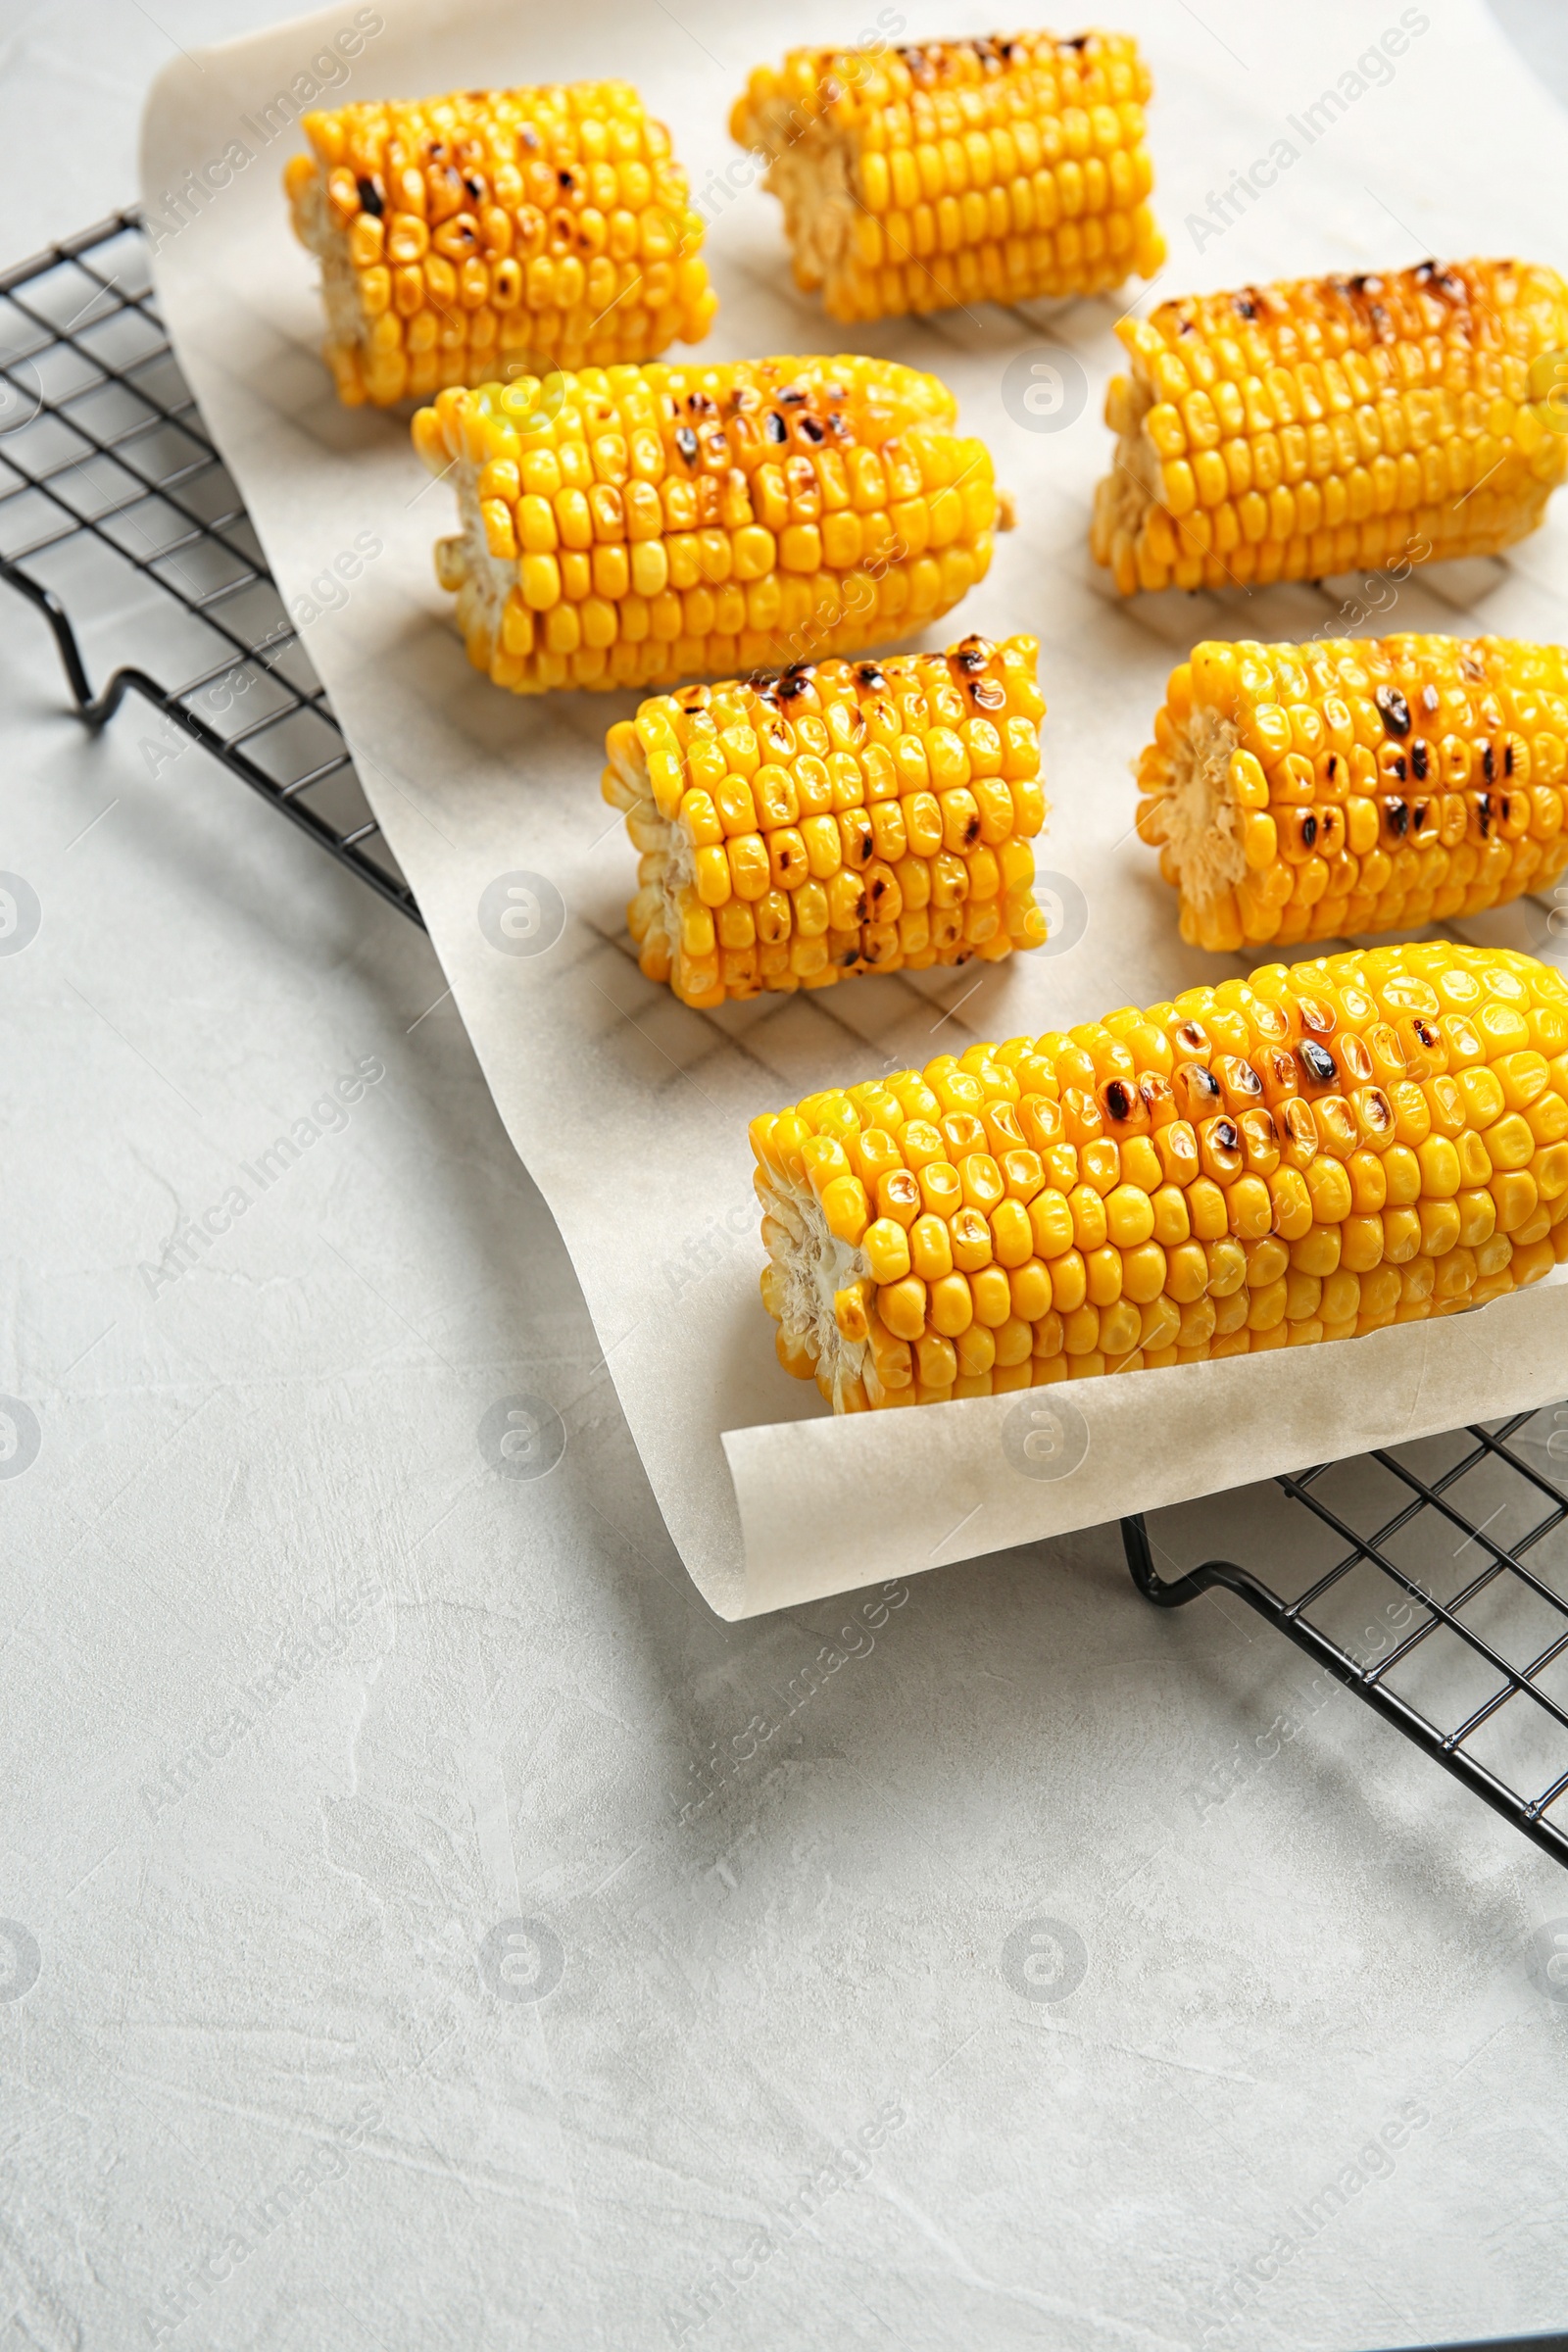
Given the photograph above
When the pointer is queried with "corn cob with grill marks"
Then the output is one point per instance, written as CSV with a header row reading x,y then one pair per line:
x,y
467,237
915,179
1349,785
631,526
1289,432
842,818
1309,1155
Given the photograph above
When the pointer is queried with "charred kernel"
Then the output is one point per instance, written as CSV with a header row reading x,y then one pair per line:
x,y
1237,461
1022,162
673,544
1394,709
1196,1091
772,860
485,237
1319,818
1383,1195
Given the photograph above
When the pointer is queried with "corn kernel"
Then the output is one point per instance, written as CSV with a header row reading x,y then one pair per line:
x,y
1298,871
800,835
1164,515
744,559
457,279
1004,1262
954,154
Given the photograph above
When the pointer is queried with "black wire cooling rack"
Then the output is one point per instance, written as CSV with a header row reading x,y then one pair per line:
x,y
1431,1581
114,502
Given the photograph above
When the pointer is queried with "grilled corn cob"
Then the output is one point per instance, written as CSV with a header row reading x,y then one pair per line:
x,y
842,818
1349,785
629,526
1308,1154
913,180
495,232
1289,432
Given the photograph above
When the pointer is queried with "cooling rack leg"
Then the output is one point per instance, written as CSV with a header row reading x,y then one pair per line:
x,y
1149,1582
97,712
54,613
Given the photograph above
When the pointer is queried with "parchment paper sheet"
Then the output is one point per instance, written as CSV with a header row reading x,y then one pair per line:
x,y
629,1109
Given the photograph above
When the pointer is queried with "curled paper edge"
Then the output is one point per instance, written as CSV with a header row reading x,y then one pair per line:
x,y
828,1505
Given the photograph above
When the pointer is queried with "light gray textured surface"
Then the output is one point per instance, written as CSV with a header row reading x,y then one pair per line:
x,y
300,1702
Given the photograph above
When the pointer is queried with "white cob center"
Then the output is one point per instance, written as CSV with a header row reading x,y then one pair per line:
x,y
1202,817
484,582
346,322
810,174
679,852
1135,482
813,1264
662,843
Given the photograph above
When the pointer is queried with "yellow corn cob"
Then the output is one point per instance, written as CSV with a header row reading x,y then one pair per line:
x,y
631,526
1308,1154
840,819
913,180
1289,432
1349,785
494,233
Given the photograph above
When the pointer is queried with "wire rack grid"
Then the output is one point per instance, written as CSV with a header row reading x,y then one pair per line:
x,y
1432,1581
119,522
118,514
